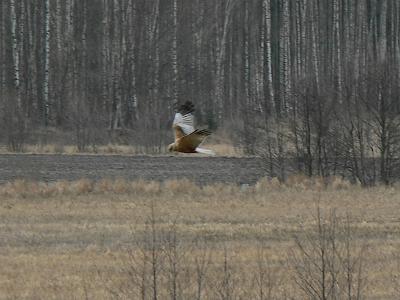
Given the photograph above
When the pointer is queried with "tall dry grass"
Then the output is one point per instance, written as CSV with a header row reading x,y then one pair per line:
x,y
25,188
115,239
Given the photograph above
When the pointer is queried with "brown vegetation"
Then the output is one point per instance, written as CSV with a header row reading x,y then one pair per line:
x,y
220,144
115,239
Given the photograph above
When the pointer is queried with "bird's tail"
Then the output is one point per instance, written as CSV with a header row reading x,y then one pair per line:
x,y
205,151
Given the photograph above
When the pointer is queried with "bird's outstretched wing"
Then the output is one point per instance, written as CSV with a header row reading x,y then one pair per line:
x,y
183,125
194,139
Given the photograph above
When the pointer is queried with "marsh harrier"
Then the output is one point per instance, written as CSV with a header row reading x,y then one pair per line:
x,y
188,139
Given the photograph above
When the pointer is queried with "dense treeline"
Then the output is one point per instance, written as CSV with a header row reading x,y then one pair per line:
x,y
314,80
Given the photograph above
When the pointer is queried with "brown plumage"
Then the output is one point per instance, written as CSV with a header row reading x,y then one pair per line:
x,y
187,139
187,143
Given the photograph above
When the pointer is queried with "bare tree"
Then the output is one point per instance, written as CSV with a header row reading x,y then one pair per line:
x,y
328,263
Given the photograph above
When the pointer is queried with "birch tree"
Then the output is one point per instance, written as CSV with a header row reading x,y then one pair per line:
x,y
266,33
46,61
15,53
222,32
174,54
2,51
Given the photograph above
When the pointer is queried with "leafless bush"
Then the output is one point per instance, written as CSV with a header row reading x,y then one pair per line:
x,y
395,272
225,284
327,263
266,277
273,150
143,266
163,264
176,265
202,262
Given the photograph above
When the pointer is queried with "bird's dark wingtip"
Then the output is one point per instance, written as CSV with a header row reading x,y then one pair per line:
x,y
204,132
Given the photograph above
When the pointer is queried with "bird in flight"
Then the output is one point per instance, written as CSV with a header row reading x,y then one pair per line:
x,y
188,139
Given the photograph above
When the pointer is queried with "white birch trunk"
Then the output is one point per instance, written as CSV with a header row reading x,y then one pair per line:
x,y
259,67
193,44
74,63
174,53
336,16
156,32
284,53
262,56
397,34
221,48
199,38
303,36
247,61
348,47
83,67
104,56
383,44
21,50
149,44
133,100
267,16
247,117
46,61
2,52
354,34
156,74
116,68
258,77
314,49
297,40
198,41
70,20
364,41
358,41
59,75
58,27
155,58
15,52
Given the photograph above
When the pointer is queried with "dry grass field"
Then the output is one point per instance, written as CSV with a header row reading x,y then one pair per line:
x,y
175,240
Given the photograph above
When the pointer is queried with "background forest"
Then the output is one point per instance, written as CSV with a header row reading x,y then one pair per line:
x,y
313,82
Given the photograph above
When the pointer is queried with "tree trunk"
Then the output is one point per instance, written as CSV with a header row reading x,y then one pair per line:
x,y
268,95
175,78
46,61
220,52
15,53
2,52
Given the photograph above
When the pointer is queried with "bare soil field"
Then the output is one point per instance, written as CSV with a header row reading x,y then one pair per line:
x,y
202,170
117,239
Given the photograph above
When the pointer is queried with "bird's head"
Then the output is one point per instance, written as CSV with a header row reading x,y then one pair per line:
x,y
171,147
